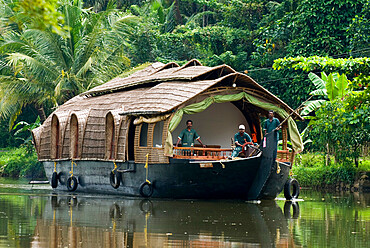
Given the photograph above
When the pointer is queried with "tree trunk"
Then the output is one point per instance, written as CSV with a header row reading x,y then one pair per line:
x,y
177,12
41,112
356,157
327,161
205,18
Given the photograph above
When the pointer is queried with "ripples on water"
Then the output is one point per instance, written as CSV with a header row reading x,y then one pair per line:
x,y
35,216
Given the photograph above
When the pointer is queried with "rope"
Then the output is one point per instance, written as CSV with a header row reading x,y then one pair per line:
x,y
115,167
71,172
223,166
147,168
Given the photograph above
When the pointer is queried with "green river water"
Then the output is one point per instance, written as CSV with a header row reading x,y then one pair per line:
x,y
37,216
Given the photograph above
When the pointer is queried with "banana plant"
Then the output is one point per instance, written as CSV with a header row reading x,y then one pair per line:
x,y
329,87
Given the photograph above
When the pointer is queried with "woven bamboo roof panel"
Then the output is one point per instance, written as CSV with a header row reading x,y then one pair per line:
x,y
193,62
168,65
168,95
135,77
36,134
171,74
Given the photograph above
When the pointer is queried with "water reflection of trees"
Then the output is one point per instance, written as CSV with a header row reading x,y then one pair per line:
x,y
14,210
327,219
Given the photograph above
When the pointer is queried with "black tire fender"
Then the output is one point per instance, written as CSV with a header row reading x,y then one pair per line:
x,y
291,189
146,189
72,183
115,179
61,178
54,180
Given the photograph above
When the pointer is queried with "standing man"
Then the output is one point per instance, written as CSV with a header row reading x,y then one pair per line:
x,y
271,124
241,138
188,135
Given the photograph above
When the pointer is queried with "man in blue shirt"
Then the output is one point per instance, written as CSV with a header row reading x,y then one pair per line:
x,y
241,138
188,135
271,124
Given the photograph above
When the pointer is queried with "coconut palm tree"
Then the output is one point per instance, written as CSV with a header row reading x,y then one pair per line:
x,y
47,68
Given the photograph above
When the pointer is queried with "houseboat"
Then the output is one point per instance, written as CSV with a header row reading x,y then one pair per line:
x,y
118,138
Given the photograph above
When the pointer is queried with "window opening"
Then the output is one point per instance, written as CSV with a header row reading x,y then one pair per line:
x,y
110,136
144,134
74,136
55,137
131,140
157,134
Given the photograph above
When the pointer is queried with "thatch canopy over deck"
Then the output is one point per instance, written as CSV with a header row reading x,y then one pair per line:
x,y
99,124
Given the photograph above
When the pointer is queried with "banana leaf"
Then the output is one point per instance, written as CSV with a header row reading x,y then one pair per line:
x,y
312,106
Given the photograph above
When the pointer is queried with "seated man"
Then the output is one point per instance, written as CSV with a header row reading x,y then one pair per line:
x,y
241,139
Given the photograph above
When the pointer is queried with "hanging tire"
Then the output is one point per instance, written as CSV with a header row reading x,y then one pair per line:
x,y
61,178
54,180
146,189
291,189
72,183
115,179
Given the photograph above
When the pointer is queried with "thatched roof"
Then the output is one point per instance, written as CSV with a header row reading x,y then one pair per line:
x,y
169,86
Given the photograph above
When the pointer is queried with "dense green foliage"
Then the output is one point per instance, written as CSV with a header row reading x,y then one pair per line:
x,y
44,69
340,125
311,171
19,162
51,51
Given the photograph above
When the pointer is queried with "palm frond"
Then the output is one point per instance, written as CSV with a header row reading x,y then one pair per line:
x,y
39,71
192,20
170,23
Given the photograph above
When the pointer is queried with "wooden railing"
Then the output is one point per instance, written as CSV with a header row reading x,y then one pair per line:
x,y
202,153
285,156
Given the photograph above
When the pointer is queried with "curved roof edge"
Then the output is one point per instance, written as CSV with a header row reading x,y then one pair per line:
x,y
238,78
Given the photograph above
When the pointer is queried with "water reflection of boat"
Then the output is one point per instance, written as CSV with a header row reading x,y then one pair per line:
x,y
97,222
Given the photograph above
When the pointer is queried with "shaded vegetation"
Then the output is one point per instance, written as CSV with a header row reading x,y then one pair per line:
x,y
19,162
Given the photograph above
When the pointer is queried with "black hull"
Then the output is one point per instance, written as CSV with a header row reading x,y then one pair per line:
x,y
179,179
258,177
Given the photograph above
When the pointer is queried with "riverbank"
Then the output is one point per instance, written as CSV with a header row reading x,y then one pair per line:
x,y
310,171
